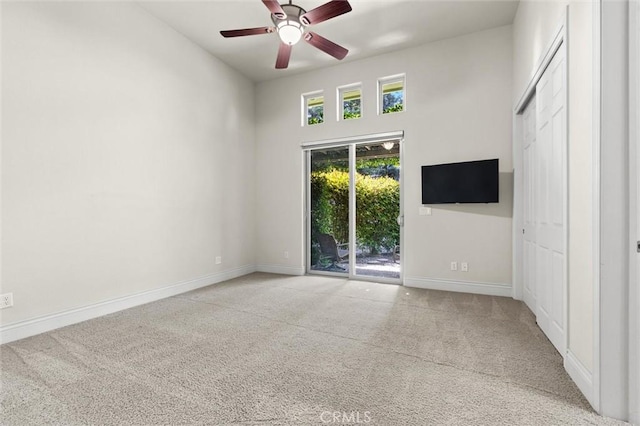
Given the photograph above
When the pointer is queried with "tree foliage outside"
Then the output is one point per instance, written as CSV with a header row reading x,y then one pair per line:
x,y
315,114
377,204
393,101
379,167
351,109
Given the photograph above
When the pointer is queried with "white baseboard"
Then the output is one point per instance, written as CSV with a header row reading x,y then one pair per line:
x,y
474,287
580,375
31,327
281,269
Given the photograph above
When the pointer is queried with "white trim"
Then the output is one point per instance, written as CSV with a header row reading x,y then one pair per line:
x,y
580,375
306,209
517,224
31,327
352,211
359,139
281,269
474,287
401,149
595,171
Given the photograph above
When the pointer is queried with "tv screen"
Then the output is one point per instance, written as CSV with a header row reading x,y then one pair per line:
x,y
468,182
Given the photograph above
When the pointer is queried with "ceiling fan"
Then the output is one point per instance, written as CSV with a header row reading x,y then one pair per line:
x,y
290,23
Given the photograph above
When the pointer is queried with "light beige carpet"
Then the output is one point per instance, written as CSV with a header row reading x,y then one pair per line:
x,y
269,349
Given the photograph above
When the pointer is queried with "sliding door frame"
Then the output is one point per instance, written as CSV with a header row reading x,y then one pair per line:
x,y
352,143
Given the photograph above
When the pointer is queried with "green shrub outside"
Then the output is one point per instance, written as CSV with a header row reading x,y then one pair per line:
x,y
377,201
395,108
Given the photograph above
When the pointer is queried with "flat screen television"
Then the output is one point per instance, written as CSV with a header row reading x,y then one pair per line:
x,y
468,182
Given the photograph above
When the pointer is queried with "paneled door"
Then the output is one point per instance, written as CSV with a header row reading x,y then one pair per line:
x,y
549,172
529,231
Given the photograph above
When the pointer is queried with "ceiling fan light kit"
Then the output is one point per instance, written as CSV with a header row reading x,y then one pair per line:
x,y
290,23
289,28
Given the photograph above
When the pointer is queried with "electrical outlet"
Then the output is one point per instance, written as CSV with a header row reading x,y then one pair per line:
x,y
218,260
454,266
6,300
464,267
286,254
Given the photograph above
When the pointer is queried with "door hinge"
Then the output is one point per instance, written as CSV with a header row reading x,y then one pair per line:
x,y
522,230
638,246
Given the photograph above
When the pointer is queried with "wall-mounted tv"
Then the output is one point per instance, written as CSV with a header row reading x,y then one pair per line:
x,y
468,182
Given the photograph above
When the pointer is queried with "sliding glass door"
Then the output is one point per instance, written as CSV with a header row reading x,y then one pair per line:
x,y
329,179
377,205
354,209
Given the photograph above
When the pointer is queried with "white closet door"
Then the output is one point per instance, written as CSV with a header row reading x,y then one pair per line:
x,y
529,231
550,201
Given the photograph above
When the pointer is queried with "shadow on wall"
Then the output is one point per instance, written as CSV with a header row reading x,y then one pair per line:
x,y
504,208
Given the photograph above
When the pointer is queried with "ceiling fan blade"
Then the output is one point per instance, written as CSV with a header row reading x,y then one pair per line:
x,y
275,8
284,53
247,32
325,45
326,11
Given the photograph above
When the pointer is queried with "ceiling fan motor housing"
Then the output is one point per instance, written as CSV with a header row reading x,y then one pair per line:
x,y
293,14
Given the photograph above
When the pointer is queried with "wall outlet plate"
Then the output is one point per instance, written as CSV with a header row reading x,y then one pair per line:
x,y
464,267
218,260
454,266
6,300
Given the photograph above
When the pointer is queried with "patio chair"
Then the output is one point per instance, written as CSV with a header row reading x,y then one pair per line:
x,y
330,250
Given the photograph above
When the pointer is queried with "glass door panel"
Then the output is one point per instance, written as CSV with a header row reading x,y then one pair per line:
x,y
329,210
377,196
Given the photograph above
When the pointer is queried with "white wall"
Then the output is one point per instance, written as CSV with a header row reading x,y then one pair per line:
x,y
127,157
534,28
634,211
614,199
458,108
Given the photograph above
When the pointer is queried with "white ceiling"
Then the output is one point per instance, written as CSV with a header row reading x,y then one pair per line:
x,y
371,28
